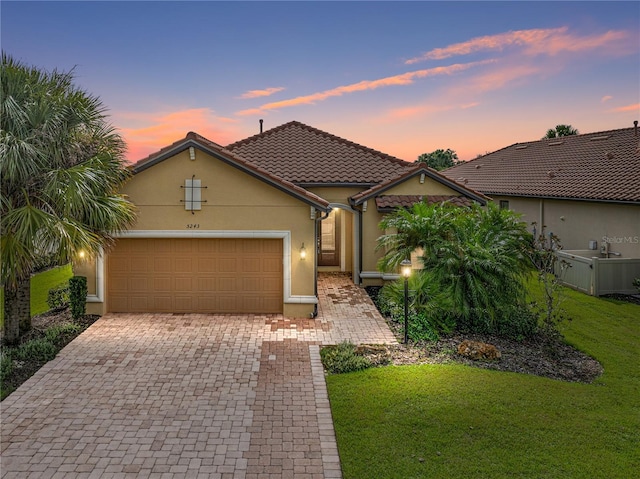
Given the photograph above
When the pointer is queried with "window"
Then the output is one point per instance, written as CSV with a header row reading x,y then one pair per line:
x,y
192,195
504,204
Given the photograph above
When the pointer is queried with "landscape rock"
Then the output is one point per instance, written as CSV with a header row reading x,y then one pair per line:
x,y
477,350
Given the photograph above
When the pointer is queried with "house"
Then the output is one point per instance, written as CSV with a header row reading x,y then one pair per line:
x,y
247,227
585,189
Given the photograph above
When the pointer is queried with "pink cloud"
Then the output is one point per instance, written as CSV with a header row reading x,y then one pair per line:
x,y
634,107
534,42
146,133
428,108
395,80
260,93
606,98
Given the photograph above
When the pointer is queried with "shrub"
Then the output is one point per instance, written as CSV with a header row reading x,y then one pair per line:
x,y
59,334
78,296
636,283
343,358
476,256
36,349
6,367
429,309
58,297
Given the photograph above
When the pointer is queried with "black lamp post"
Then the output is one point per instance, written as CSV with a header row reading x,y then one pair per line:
x,y
406,272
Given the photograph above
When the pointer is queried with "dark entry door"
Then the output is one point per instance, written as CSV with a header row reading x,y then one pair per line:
x,y
329,240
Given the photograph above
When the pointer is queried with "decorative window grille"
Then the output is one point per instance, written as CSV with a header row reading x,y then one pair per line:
x,y
193,194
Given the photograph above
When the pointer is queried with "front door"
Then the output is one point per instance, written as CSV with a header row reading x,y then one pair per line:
x,y
329,240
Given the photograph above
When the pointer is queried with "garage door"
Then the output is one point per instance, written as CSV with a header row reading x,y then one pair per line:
x,y
195,275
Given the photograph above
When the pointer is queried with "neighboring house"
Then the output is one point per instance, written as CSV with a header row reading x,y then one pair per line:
x,y
585,189
246,228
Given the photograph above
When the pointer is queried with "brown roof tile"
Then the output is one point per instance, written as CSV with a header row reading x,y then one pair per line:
x,y
200,142
601,166
308,156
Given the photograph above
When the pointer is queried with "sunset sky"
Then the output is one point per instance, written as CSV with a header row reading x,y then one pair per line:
x,y
402,77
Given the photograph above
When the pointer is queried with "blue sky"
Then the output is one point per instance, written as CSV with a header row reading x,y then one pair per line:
x,y
402,77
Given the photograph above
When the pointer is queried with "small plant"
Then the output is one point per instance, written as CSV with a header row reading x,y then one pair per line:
x,y
58,297
6,366
78,296
429,309
550,270
36,349
59,334
636,283
343,358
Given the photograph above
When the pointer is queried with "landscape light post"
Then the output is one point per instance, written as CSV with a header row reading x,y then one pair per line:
x,y
406,272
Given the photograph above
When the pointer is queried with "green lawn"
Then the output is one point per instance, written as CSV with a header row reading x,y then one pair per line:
x,y
453,421
40,285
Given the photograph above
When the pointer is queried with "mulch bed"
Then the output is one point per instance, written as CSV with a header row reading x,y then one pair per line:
x,y
23,370
538,355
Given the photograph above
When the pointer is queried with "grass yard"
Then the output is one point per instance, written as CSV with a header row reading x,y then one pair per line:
x,y
453,421
41,283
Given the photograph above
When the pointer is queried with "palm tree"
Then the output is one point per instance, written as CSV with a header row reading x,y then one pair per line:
x,y
478,255
61,166
560,130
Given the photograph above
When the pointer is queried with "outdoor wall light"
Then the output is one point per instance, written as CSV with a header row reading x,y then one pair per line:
x,y
82,254
303,252
405,267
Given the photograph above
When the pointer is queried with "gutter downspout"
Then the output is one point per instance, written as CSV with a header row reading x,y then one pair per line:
x,y
360,246
315,266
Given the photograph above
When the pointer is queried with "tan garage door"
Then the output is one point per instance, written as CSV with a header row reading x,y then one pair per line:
x,y
195,275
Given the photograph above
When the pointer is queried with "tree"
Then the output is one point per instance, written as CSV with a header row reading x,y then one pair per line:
x,y
560,130
478,256
61,167
439,159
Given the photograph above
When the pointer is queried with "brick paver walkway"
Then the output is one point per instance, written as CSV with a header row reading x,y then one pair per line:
x,y
173,396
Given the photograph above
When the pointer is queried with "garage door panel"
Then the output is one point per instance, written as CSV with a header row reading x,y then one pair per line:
x,y
162,285
138,284
139,303
195,275
160,247
183,265
226,284
227,265
206,265
272,265
228,246
120,265
271,285
251,265
183,304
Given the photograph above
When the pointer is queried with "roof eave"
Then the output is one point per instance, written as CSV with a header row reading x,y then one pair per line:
x,y
564,198
379,189
173,150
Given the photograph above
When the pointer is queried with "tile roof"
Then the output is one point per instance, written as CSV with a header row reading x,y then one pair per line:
x,y
601,166
307,156
208,146
386,203
415,170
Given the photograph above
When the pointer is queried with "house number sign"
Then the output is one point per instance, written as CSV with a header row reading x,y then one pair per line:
x,y
193,226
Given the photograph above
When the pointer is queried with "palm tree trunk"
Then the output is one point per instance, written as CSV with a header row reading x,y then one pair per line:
x,y
17,311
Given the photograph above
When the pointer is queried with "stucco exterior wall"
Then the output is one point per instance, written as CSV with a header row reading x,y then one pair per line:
x,y
372,217
232,201
578,222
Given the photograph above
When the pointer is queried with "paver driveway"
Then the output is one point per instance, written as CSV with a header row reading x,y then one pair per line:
x,y
140,395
